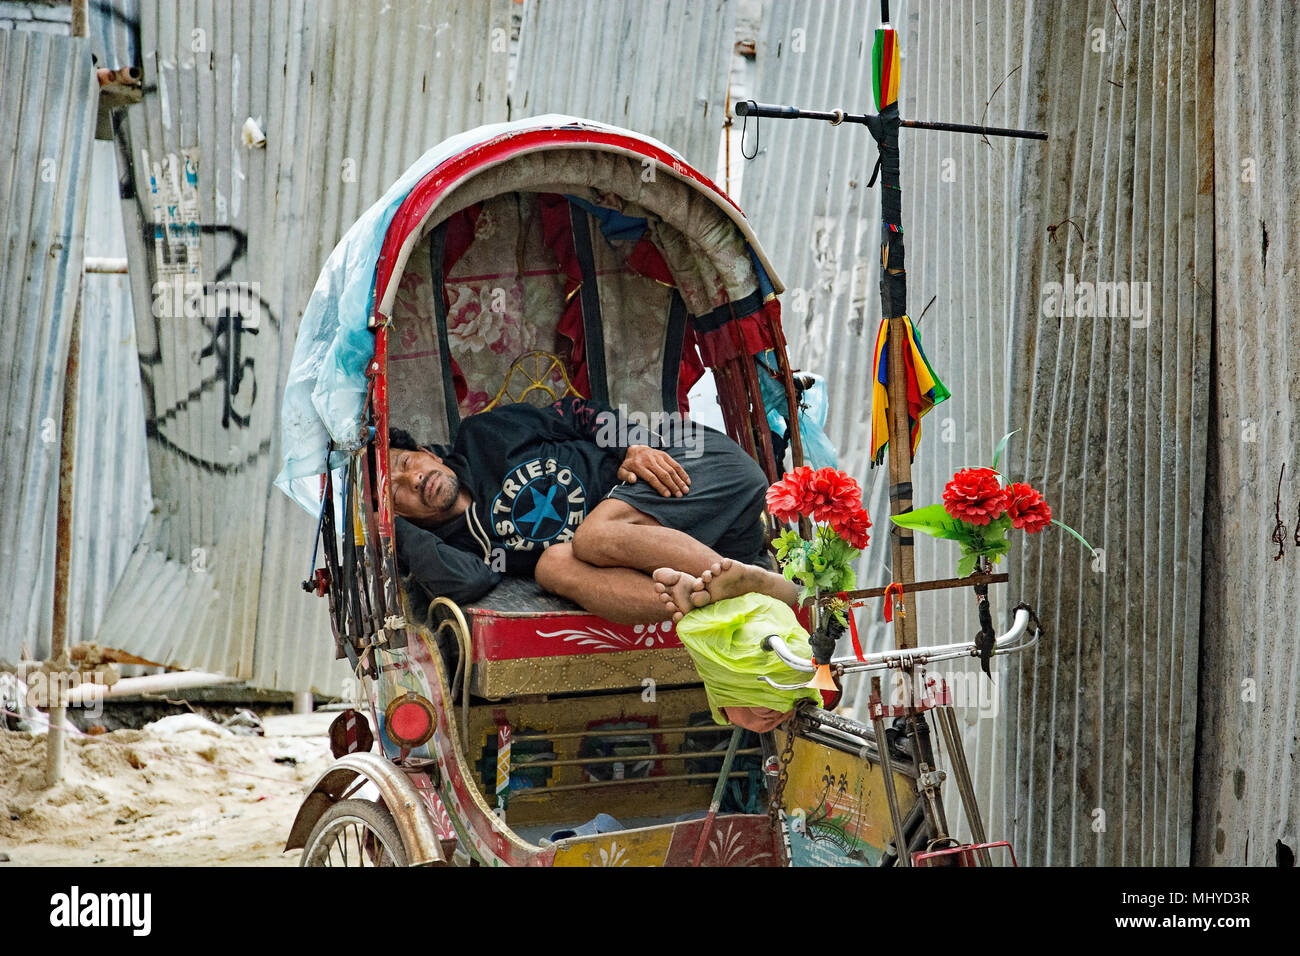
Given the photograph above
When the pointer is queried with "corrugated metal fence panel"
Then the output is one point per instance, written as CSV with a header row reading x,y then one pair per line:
x,y
348,96
48,101
658,68
1250,670
1109,408
112,500
447,74
1115,409
115,32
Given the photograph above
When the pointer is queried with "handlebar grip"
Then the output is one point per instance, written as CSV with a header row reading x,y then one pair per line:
x,y
750,108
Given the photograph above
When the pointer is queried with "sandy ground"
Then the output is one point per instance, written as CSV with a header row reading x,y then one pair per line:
x,y
132,797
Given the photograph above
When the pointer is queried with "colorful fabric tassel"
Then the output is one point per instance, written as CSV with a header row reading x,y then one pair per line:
x,y
924,390
884,67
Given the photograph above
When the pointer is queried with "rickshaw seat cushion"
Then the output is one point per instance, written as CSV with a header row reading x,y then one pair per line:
x,y
526,641
518,594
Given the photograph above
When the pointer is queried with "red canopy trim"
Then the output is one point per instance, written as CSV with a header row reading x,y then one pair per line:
x,y
411,213
557,235
742,328
460,236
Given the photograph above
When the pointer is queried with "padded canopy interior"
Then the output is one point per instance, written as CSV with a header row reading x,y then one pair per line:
x,y
518,250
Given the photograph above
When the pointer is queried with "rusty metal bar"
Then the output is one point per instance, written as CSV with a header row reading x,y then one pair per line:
x,y
946,718
887,776
836,117
58,662
936,585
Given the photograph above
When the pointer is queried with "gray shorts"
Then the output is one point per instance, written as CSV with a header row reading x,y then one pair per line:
x,y
724,507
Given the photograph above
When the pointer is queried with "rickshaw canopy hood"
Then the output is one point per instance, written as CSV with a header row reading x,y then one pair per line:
x,y
325,393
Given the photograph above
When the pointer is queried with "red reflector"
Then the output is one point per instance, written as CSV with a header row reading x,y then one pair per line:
x,y
409,722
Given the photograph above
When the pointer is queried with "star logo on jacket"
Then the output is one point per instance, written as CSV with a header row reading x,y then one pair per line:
x,y
541,502
543,516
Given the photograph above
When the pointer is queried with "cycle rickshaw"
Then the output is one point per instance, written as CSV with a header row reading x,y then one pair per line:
x,y
524,262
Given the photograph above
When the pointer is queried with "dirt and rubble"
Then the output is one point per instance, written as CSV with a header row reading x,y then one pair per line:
x,y
188,793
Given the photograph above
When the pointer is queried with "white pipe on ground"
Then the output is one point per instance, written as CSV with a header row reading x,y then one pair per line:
x,y
154,683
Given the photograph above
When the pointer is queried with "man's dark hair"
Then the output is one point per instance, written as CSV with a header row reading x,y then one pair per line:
x,y
400,439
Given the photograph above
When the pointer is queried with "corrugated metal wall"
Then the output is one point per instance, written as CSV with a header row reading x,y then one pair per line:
x,y
112,499
1115,409
115,32
1250,661
1102,719
658,68
47,135
348,96
36,17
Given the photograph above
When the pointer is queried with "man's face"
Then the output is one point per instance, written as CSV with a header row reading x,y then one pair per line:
x,y
424,488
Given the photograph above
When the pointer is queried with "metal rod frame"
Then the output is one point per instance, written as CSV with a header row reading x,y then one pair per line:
x,y
633,758
516,795
837,117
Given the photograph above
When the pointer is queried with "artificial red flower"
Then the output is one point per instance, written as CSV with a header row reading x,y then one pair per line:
x,y
975,496
852,527
783,500
1027,508
832,494
825,495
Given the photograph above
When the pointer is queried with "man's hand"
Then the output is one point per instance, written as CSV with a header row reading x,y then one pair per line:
x,y
657,467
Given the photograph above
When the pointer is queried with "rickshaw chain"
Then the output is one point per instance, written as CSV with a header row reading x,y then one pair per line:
x,y
783,774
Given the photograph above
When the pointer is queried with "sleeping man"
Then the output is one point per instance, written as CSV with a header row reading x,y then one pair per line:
x,y
632,525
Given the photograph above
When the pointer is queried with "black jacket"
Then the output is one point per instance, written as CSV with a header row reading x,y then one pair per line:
x,y
533,474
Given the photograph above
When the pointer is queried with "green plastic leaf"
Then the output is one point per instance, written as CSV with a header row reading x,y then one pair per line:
x,y
966,565
848,581
996,547
935,521
1002,446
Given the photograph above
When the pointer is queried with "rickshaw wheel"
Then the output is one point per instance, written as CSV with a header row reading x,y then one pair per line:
x,y
354,833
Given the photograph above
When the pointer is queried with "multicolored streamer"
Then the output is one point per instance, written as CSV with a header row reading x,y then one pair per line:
x,y
924,390
884,67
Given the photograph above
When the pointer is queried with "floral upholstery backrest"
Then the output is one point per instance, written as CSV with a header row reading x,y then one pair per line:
x,y
507,292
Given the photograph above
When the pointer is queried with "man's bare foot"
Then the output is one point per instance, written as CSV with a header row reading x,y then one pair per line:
x,y
728,578
679,591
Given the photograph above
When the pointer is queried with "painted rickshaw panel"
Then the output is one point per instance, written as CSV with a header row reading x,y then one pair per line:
x,y
459,806
648,722
734,840
836,807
